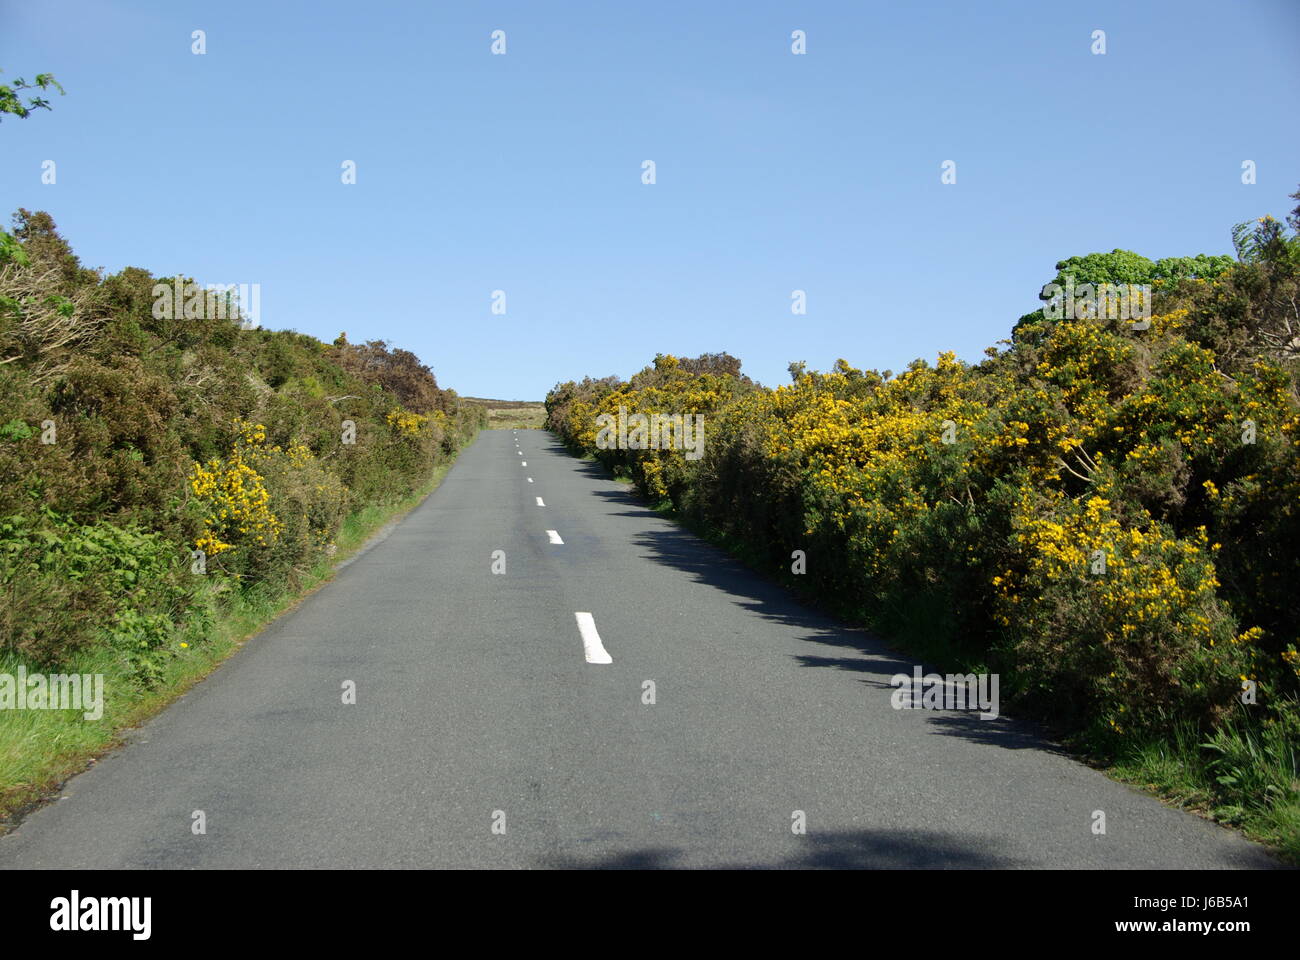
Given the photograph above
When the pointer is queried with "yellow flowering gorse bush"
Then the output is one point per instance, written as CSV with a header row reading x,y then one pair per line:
x,y
965,507
238,503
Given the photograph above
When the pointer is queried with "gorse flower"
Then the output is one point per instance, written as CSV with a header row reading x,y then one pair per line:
x,y
238,502
407,424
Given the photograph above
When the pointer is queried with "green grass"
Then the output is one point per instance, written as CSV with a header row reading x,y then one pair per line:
x,y
40,749
1245,776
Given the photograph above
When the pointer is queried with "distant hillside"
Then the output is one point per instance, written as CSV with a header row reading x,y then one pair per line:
x,y
511,414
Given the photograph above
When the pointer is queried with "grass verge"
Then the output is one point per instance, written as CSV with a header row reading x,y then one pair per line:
x,y
1243,776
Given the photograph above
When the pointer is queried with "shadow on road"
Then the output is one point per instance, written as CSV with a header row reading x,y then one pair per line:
x,y
859,651
842,850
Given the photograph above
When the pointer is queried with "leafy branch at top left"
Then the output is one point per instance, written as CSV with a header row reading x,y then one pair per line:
x,y
11,102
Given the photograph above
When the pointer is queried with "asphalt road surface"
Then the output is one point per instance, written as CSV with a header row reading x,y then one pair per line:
x,y
482,736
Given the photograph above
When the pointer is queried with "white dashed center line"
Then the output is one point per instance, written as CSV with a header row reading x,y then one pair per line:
x,y
539,502
530,479
591,645
555,537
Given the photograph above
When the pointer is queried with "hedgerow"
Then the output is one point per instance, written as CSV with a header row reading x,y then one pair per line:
x,y
1105,513
149,464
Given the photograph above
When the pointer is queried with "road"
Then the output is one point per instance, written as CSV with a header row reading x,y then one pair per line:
x,y
481,736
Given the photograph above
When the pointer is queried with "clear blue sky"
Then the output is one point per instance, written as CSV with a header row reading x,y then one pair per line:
x,y
523,172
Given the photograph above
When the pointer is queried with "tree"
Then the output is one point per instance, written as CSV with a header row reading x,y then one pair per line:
x,y
11,102
1121,267
1125,266
1118,266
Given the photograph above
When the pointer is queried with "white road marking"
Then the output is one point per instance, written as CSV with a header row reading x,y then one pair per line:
x,y
539,502
530,479
555,537
524,464
591,645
